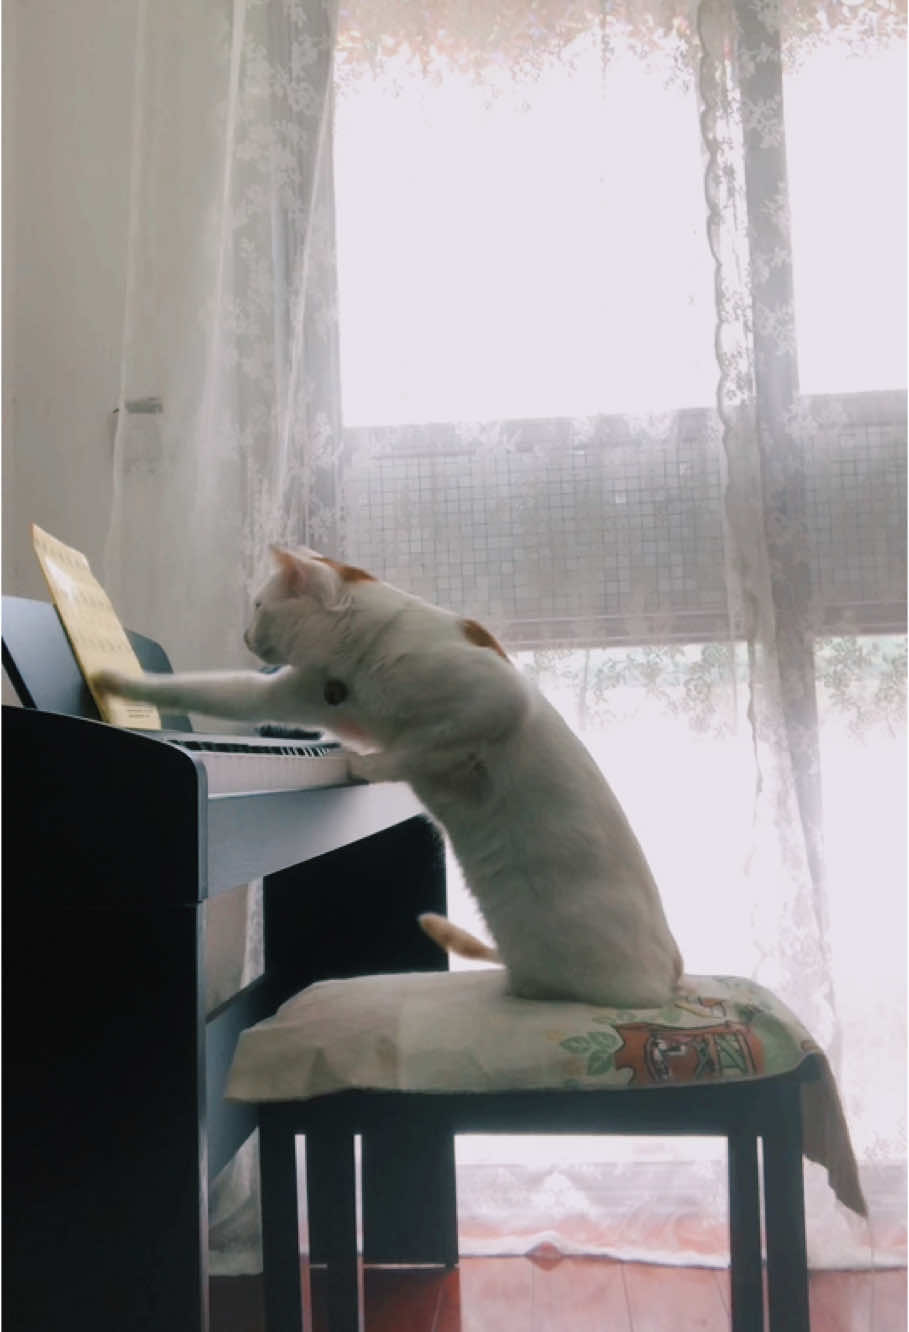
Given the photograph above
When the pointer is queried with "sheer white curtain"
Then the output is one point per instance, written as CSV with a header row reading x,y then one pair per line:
x,y
622,333
228,419
229,416
620,301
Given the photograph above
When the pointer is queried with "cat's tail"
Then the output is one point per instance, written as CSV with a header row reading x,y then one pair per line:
x,y
455,940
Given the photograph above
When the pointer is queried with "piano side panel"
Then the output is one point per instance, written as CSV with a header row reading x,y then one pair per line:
x,y
129,811
107,860
104,1134
103,1029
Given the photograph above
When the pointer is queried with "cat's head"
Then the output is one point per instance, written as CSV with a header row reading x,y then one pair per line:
x,y
300,611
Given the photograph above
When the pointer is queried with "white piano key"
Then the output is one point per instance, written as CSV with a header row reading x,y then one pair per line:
x,y
245,765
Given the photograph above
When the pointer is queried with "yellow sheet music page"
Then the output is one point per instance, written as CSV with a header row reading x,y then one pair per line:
x,y
97,637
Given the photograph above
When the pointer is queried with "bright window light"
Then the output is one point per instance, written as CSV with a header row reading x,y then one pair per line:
x,y
846,146
515,251
537,249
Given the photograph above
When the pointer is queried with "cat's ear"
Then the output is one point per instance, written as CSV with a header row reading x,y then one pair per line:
x,y
305,574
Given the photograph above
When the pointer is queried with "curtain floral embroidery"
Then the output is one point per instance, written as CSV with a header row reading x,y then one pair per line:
x,y
586,320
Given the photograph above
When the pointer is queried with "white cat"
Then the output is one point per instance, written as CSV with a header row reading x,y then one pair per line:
x,y
543,843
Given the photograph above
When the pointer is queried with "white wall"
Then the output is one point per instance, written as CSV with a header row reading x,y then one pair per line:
x,y
67,124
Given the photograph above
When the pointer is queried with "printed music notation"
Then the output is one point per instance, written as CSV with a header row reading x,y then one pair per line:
x,y
97,637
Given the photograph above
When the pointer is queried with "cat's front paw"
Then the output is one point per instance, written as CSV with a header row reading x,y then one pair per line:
x,y
111,682
381,765
358,767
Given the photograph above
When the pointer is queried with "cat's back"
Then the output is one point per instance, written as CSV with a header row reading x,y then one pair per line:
x,y
545,753
544,794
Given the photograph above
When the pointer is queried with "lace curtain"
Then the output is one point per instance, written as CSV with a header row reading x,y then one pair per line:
x,y
587,321
229,415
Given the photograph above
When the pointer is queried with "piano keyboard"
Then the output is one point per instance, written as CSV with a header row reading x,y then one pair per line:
x,y
244,765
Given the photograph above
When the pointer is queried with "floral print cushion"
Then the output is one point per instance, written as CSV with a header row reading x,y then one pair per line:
x,y
719,1027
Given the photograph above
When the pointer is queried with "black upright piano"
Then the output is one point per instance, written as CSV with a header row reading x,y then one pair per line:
x,y
114,1116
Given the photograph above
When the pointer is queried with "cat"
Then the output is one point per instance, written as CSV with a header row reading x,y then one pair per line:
x,y
430,698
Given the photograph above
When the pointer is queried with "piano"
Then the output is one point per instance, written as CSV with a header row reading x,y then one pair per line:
x,y
115,1119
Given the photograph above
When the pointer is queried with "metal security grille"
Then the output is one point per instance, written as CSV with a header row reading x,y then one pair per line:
x,y
609,532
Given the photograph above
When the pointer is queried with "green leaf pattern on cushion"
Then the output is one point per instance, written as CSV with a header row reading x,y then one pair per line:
x,y
738,1018
598,1047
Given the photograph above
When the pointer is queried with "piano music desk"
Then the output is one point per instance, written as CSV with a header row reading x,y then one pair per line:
x,y
115,1119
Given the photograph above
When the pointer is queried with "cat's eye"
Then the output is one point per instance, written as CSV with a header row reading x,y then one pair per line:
x,y
257,604
335,692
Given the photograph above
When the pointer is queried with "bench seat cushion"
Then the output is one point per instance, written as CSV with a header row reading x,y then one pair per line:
x,y
461,1031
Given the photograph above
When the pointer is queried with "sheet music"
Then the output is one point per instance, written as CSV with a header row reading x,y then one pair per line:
x,y
97,637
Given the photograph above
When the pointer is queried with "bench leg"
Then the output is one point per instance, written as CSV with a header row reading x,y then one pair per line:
x,y
280,1226
332,1206
409,1205
784,1202
745,1233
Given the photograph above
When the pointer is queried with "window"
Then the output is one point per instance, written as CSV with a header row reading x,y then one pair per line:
x,y
504,254
528,319
527,326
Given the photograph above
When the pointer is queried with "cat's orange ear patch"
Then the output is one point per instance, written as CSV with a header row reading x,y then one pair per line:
x,y
292,568
348,573
480,637
306,572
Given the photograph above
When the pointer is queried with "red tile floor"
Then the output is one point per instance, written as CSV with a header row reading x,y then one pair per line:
x,y
571,1295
